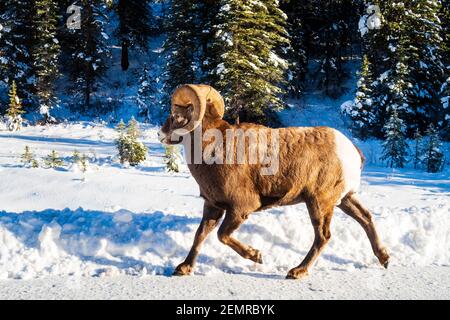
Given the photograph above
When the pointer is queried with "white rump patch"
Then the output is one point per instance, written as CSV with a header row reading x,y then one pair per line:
x,y
350,161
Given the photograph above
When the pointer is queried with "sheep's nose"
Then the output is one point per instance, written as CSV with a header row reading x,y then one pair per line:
x,y
161,136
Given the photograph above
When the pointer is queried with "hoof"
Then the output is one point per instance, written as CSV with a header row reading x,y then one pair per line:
x,y
384,258
256,256
297,273
182,270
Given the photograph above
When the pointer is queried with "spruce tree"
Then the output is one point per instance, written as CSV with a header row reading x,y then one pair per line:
x,y
53,160
445,89
361,112
46,50
408,64
297,51
14,111
427,69
181,46
445,101
148,94
395,148
206,17
247,70
88,52
172,158
27,156
16,36
434,157
131,150
418,139
136,24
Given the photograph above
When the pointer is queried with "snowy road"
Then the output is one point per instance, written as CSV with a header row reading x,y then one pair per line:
x,y
396,283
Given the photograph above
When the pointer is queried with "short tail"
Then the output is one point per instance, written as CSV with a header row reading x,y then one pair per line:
x,y
361,154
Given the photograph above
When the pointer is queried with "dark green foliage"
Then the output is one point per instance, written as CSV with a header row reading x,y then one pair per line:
x,y
407,59
16,41
434,157
136,24
172,158
88,52
53,160
181,46
395,147
14,111
131,150
247,69
46,51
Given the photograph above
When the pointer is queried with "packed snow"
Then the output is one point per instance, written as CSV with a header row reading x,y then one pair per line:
x,y
114,220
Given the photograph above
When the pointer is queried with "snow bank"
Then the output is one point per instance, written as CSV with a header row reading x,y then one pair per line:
x,y
139,221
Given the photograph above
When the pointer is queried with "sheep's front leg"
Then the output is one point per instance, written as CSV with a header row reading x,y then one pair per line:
x,y
210,220
320,219
230,224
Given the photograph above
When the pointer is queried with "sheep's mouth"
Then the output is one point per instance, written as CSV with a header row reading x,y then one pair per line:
x,y
168,141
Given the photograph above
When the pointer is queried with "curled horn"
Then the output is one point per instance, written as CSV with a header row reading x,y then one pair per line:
x,y
206,102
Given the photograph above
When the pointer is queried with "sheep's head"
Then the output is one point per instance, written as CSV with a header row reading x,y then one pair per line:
x,y
191,105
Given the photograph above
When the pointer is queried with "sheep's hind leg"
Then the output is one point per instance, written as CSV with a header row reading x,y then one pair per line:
x,y
351,206
230,224
321,219
210,220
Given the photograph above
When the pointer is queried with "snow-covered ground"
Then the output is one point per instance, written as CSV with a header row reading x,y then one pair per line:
x,y
132,225
397,283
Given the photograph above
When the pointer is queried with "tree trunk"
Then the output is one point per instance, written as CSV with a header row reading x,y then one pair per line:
x,y
125,63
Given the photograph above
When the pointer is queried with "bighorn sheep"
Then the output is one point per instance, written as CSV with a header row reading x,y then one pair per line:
x,y
318,166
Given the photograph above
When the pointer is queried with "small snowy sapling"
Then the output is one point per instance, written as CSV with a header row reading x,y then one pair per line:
x,y
53,160
13,114
130,149
27,157
172,159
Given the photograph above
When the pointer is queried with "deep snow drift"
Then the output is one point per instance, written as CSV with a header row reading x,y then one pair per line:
x,y
139,221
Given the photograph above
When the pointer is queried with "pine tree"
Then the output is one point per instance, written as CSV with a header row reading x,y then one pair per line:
x,y
408,64
445,89
328,31
83,163
418,139
130,149
16,35
206,17
395,148
88,51
27,157
148,94
361,112
297,56
121,127
136,24
247,70
181,46
434,157
75,156
14,111
46,50
172,158
53,160
34,163
426,64
445,100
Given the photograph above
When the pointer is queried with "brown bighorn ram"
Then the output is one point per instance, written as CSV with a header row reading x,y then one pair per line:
x,y
318,166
